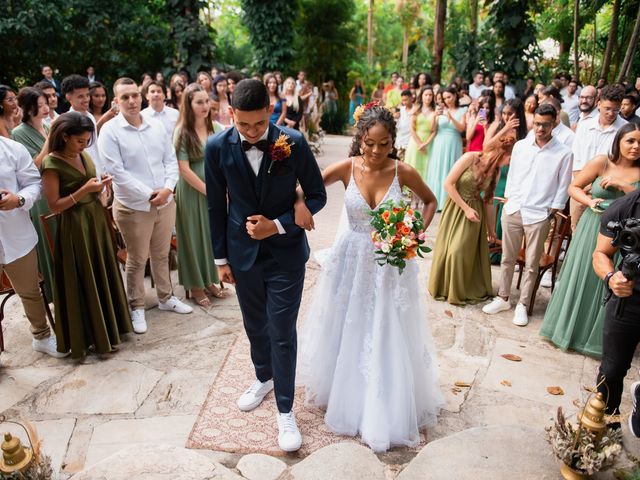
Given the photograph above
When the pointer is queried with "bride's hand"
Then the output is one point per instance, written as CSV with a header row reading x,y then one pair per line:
x,y
303,217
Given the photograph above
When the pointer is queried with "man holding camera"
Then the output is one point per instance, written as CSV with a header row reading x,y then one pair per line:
x,y
621,333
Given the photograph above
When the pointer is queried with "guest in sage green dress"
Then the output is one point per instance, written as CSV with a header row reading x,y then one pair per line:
x,y
460,270
446,147
575,314
423,130
32,133
90,301
196,267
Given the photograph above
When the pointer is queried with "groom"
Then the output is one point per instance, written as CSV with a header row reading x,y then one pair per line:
x,y
251,190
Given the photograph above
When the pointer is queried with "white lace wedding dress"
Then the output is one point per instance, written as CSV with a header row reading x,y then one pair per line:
x,y
365,351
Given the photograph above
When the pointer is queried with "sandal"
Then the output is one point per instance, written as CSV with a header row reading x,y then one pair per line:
x,y
200,297
216,291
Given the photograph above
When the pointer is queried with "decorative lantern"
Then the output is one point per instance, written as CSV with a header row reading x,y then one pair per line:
x,y
15,456
592,417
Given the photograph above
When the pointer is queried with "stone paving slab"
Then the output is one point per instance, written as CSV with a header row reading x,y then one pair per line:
x,y
17,383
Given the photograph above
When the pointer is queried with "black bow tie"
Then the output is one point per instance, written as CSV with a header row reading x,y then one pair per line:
x,y
260,145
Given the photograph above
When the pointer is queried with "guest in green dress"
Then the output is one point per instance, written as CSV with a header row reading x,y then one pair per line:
x,y
32,133
575,314
423,130
460,271
196,266
447,144
90,302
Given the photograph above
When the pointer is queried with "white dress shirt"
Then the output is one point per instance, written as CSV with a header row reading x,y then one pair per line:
x,y
509,92
168,117
561,132
570,106
592,114
538,179
403,131
19,175
92,149
591,140
140,159
48,120
475,91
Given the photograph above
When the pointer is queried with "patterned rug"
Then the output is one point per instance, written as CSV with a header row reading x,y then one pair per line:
x,y
221,426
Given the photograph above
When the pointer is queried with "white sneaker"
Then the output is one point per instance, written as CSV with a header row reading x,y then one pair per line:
x,y
546,280
48,345
254,395
289,438
175,305
138,321
497,305
520,316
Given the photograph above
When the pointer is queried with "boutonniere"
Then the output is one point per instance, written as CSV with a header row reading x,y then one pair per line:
x,y
280,150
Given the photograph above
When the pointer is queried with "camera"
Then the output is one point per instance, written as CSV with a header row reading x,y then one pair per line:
x,y
627,238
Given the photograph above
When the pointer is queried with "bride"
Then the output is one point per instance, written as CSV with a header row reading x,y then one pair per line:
x,y
365,350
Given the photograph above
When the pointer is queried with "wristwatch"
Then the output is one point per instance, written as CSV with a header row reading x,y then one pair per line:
x,y
21,201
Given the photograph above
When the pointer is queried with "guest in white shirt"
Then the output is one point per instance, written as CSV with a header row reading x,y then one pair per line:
x,y
156,94
570,104
594,136
403,123
586,105
75,89
499,76
476,88
19,189
52,100
539,175
139,155
560,131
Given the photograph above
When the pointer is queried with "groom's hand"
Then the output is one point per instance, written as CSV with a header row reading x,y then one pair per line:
x,y
225,274
260,227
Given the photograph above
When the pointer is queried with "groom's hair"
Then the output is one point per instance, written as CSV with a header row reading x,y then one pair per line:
x,y
250,95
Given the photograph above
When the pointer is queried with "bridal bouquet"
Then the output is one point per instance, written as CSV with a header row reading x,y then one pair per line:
x,y
398,234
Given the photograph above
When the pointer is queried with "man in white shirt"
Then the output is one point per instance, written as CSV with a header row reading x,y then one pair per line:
x,y
19,189
403,124
75,89
509,93
539,175
594,136
570,104
476,88
586,105
139,155
52,101
560,131
156,93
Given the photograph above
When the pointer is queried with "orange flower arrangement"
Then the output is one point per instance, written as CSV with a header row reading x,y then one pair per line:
x,y
280,150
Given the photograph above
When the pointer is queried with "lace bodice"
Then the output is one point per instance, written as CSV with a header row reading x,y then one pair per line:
x,y
358,209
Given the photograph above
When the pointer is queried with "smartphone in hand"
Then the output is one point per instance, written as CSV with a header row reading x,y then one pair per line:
x,y
482,113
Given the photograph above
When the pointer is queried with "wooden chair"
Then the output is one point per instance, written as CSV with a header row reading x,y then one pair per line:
x,y
550,257
498,203
7,290
116,237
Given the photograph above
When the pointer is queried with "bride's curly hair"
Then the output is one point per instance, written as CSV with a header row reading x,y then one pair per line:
x,y
368,119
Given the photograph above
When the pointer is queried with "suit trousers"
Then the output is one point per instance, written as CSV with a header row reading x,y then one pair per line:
x,y
147,235
512,232
23,274
269,300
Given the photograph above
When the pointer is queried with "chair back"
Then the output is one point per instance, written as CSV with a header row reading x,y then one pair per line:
x,y
45,219
561,232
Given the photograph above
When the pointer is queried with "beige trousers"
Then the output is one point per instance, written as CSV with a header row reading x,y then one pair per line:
x,y
146,235
23,274
512,232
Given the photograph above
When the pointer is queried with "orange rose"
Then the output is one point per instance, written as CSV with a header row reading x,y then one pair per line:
x,y
411,253
404,230
385,216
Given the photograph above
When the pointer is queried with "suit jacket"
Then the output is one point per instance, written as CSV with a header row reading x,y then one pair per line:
x,y
234,192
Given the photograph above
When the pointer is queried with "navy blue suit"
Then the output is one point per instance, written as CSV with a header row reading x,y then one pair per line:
x,y
269,273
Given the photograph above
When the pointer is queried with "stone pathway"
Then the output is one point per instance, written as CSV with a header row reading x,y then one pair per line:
x,y
127,415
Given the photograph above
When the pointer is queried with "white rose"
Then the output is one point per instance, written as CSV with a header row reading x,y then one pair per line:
x,y
408,221
386,248
406,241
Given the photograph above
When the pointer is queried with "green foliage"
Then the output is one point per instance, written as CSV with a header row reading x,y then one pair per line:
x,y
324,47
271,28
234,50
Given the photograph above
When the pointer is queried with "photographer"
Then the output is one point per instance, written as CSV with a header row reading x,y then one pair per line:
x,y
621,332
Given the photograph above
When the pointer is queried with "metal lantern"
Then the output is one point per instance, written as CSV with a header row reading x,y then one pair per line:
x,y
15,456
592,417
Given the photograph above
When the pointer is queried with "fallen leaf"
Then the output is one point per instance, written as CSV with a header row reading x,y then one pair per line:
x,y
506,383
456,390
448,313
577,403
555,390
590,389
462,384
512,357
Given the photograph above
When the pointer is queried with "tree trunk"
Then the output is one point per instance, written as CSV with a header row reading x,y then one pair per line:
x,y
563,47
405,49
370,34
438,38
631,47
576,31
473,7
613,34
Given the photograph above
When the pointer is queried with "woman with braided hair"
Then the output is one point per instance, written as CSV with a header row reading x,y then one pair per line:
x,y
366,353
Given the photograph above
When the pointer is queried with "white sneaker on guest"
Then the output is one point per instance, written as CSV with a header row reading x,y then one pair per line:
x,y
254,395
497,305
175,305
547,279
138,321
289,438
520,317
48,345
